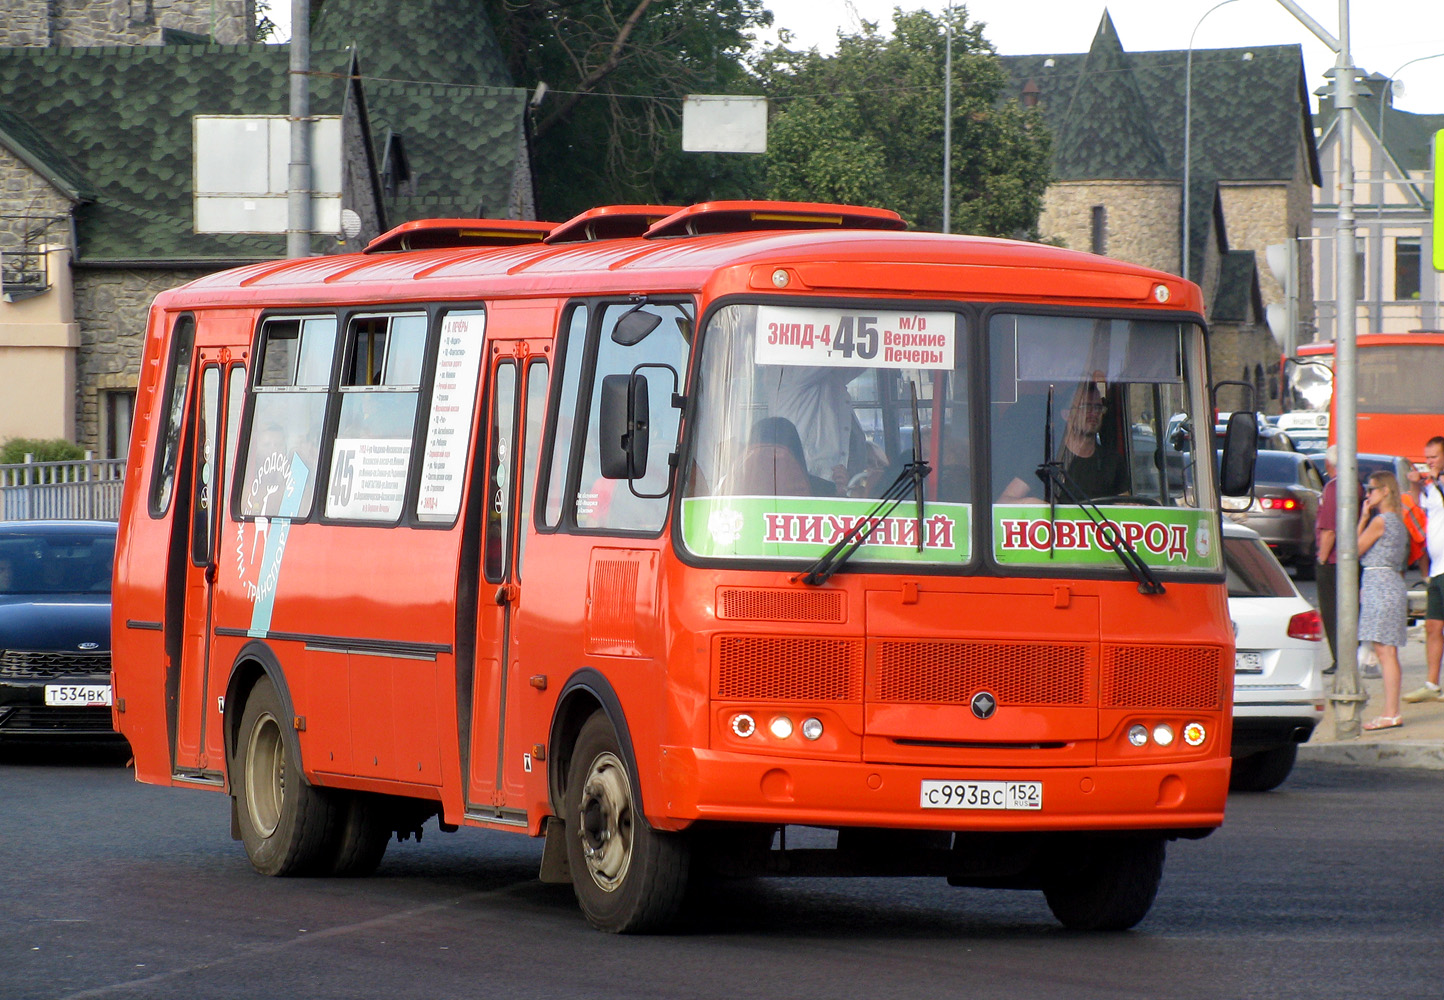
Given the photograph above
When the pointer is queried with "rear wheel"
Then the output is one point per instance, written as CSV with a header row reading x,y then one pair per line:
x,y
1109,886
364,831
1263,771
288,827
628,877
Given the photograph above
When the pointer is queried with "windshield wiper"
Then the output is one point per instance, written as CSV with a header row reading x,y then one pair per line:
x,y
1052,473
910,479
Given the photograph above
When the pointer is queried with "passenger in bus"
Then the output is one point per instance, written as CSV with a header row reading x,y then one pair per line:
x,y
774,463
1092,468
815,402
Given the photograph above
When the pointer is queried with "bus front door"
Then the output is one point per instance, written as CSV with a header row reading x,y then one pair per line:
x,y
204,465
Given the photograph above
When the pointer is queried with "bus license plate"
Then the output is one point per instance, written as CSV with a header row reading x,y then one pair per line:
x,y
1247,663
77,695
982,795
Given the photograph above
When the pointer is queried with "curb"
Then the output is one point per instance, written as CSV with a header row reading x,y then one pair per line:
x,y
1363,753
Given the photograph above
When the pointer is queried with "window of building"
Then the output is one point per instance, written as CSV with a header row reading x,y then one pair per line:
x,y
117,407
1407,256
1099,235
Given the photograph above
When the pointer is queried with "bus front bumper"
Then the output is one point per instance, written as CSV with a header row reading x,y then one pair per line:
x,y
700,784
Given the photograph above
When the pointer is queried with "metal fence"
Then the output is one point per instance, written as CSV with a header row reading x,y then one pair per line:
x,y
88,489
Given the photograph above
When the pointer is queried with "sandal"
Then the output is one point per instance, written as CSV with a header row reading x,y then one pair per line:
x,y
1383,722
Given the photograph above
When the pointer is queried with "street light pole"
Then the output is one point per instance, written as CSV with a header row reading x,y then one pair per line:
x,y
1348,697
1188,137
948,128
298,177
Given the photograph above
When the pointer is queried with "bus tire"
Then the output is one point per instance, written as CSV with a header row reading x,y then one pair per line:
x,y
288,826
628,878
1111,885
1263,771
362,835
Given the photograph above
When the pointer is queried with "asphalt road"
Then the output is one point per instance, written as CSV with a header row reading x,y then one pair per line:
x,y
1329,887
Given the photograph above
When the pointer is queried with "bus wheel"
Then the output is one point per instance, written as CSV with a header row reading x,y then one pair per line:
x,y
1109,886
287,826
362,836
628,877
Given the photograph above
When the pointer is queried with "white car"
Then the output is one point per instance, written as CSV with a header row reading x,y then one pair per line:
x,y
1278,692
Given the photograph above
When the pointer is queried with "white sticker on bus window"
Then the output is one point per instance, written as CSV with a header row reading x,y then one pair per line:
x,y
368,478
453,404
855,338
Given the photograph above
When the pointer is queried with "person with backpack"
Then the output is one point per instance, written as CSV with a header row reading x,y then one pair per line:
x,y
1430,494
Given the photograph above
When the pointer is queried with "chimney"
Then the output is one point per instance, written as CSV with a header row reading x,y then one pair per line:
x,y
1030,93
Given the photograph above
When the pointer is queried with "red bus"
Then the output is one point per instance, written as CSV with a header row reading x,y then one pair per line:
x,y
1399,389
676,529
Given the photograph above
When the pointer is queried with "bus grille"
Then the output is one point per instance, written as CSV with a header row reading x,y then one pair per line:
x,y
47,664
953,672
789,669
752,604
1162,677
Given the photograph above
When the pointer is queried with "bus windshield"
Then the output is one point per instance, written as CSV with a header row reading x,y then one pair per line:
x,y
807,414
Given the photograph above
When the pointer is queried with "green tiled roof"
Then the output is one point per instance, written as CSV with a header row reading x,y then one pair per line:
x,y
18,136
1250,108
1237,289
121,117
1106,131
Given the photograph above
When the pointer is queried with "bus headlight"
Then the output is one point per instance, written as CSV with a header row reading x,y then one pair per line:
x,y
812,729
1137,735
1163,734
781,727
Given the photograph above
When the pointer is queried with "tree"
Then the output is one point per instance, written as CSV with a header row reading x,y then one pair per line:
x,y
866,125
609,129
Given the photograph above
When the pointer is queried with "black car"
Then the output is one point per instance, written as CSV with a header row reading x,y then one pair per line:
x,y
55,630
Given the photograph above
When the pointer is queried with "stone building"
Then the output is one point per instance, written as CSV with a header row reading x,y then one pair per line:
x,y
1118,120
97,160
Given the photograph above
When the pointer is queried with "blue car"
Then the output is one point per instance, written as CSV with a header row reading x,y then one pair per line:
x,y
55,631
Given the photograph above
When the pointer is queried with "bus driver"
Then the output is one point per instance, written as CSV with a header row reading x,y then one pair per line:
x,y
1092,469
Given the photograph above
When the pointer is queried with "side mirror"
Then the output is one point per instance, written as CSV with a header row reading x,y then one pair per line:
x,y
624,431
1240,451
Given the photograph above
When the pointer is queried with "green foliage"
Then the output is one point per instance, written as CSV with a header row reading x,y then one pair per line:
x,y
866,125
14,450
609,129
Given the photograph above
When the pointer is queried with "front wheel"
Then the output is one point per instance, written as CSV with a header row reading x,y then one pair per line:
x,y
1109,886
628,877
287,826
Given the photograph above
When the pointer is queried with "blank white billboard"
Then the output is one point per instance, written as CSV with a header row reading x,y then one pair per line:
x,y
242,163
720,124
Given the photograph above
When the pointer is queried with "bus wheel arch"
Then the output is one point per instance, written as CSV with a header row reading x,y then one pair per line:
x,y
254,662
585,693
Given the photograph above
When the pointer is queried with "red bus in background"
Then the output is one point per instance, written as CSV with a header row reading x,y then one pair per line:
x,y
673,529
1400,389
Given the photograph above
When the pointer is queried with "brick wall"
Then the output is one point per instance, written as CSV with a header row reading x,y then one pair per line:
x,y
1142,219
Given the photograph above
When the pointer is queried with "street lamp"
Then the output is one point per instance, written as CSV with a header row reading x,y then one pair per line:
x,y
948,128
1188,133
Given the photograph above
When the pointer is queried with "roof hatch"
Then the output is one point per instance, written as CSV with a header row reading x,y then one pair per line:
x,y
434,234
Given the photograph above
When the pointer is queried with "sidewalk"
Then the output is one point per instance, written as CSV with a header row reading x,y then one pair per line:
x,y
1418,743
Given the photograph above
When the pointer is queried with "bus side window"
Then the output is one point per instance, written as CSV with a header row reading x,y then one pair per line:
x,y
288,408
569,356
613,504
375,435
183,336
